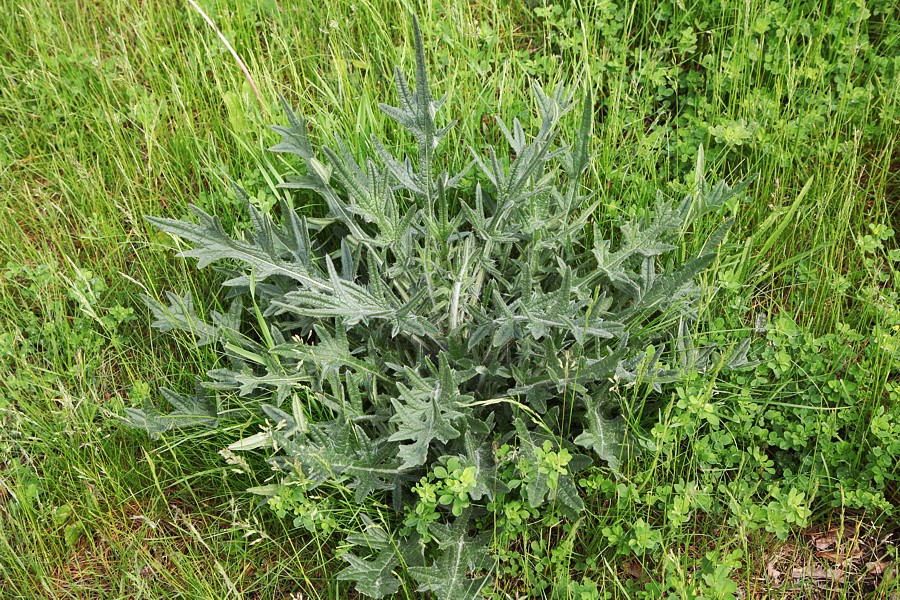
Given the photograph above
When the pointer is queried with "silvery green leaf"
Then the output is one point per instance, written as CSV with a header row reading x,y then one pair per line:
x,y
447,578
602,435
252,442
190,411
375,577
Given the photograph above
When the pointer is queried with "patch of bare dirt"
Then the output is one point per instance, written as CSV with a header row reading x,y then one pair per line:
x,y
852,560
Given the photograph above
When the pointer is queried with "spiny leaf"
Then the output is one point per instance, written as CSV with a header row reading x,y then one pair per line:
x,y
189,411
294,138
579,156
447,577
212,244
603,436
568,501
374,578
421,420
180,315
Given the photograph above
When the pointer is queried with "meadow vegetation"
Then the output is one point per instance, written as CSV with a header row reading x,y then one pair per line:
x,y
777,479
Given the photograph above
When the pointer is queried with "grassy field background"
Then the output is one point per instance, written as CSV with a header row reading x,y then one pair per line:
x,y
112,110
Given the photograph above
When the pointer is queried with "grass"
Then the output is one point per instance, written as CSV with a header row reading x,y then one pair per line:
x,y
113,110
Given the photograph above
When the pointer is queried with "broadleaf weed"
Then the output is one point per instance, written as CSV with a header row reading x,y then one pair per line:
x,y
427,325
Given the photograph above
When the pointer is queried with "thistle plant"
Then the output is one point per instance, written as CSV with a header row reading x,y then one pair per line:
x,y
426,321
